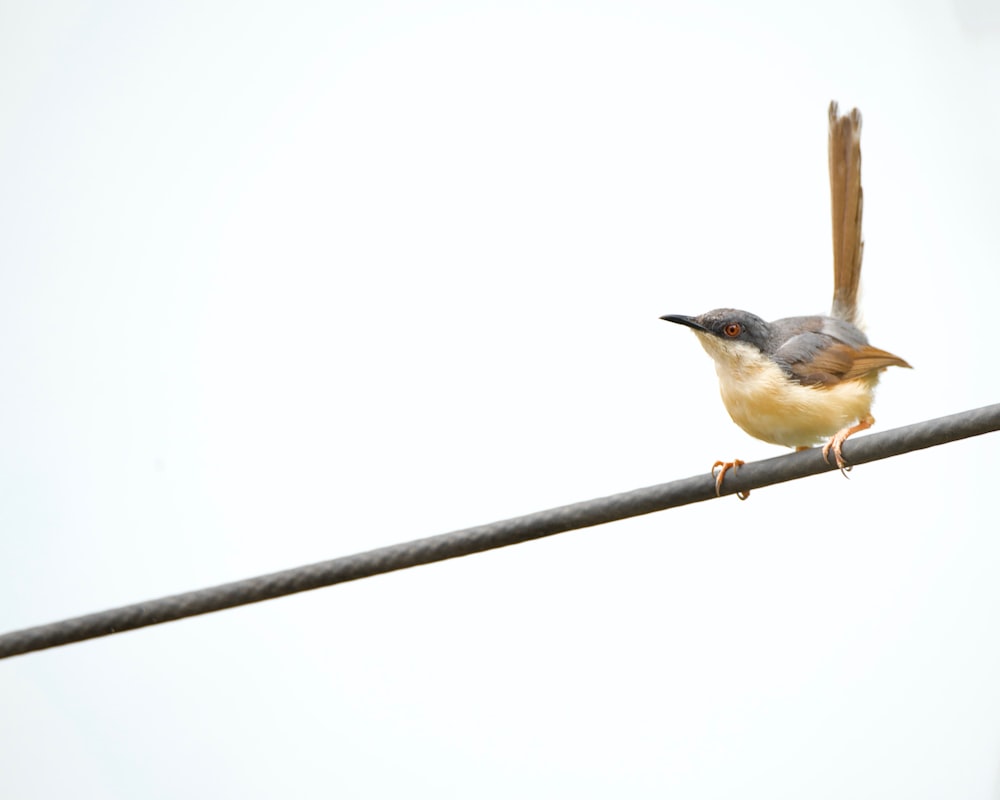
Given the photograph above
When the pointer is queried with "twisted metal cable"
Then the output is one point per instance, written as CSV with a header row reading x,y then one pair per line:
x,y
497,534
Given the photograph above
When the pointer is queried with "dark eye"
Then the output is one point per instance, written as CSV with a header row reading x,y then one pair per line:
x,y
733,329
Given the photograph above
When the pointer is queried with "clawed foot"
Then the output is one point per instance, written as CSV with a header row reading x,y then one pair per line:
x,y
836,443
724,467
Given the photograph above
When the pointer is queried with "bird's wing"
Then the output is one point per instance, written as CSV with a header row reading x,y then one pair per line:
x,y
818,359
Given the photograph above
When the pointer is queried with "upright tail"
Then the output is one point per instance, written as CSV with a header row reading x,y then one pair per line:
x,y
846,203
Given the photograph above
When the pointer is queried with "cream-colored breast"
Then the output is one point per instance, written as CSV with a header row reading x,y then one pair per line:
x,y
763,401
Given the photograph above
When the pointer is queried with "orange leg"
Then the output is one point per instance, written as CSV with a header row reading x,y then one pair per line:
x,y
837,442
724,467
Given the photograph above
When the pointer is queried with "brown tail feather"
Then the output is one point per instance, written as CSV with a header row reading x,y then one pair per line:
x,y
846,207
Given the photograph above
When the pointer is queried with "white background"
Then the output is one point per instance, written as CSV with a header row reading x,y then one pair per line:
x,y
281,282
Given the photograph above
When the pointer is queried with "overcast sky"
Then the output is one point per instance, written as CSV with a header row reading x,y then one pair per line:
x,y
281,282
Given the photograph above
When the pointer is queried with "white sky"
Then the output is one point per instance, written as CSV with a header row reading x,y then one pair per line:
x,y
283,282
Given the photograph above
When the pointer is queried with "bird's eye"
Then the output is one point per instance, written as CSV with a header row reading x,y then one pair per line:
x,y
733,329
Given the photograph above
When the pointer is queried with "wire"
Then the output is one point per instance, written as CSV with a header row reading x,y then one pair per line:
x,y
497,534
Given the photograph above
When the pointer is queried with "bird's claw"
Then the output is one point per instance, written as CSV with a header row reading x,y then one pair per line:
x,y
724,467
836,443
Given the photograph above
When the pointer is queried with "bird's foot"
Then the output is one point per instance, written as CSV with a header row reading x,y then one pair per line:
x,y
724,467
836,443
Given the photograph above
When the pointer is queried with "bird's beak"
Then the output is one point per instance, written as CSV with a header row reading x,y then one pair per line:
x,y
680,319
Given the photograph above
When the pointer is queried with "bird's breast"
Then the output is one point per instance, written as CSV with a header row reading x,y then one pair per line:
x,y
765,402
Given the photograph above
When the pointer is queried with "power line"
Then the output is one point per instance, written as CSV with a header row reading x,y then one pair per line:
x,y
497,534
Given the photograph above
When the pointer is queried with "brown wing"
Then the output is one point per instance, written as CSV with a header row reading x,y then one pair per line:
x,y
840,362
871,359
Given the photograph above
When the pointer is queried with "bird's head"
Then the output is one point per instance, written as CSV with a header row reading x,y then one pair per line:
x,y
728,334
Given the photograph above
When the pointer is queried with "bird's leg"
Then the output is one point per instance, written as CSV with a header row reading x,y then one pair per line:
x,y
724,467
837,442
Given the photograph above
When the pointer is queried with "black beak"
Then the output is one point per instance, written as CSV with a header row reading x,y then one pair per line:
x,y
680,319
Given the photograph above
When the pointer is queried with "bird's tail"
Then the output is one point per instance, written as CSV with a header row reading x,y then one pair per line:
x,y
846,206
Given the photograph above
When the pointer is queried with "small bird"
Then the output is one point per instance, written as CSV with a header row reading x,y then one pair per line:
x,y
801,380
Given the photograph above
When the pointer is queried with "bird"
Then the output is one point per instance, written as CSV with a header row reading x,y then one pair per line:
x,y
800,381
